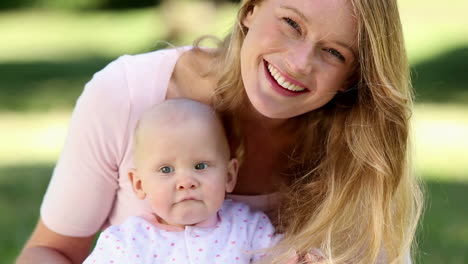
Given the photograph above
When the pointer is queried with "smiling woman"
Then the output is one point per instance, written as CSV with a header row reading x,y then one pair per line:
x,y
327,63
316,100
300,41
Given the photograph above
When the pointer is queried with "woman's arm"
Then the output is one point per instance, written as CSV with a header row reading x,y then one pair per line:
x,y
82,189
46,246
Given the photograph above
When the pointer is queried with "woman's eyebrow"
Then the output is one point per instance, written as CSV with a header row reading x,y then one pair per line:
x,y
299,13
338,42
295,10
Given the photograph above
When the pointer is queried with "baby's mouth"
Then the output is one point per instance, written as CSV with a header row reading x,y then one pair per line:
x,y
188,198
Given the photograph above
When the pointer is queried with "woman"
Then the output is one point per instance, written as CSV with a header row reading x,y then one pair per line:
x,y
317,98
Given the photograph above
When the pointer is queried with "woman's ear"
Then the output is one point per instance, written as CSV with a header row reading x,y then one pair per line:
x,y
249,17
136,184
231,179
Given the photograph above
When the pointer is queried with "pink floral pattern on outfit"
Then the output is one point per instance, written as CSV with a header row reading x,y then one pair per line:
x,y
238,236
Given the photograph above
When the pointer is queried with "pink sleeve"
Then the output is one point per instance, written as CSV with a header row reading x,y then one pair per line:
x,y
84,183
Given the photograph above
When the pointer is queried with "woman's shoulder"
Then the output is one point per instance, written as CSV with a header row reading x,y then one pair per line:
x,y
135,78
147,67
149,60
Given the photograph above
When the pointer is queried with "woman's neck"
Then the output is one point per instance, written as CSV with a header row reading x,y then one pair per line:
x,y
255,121
190,78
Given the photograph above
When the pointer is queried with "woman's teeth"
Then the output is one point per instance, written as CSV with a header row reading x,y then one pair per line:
x,y
281,81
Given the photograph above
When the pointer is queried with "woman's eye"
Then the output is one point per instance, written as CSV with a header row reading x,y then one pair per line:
x,y
336,53
201,166
166,169
293,24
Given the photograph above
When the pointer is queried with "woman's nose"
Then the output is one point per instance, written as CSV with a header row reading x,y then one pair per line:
x,y
299,59
187,182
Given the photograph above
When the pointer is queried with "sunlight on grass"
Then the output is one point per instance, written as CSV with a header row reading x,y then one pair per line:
x,y
39,35
441,145
431,26
32,137
36,35
440,133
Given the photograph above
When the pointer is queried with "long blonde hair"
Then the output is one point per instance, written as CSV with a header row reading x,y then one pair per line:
x,y
354,197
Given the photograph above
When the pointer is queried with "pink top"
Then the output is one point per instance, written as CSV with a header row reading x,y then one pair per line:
x,y
90,188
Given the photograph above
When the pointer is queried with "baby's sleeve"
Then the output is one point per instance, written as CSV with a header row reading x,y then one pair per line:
x,y
263,236
123,244
108,248
85,179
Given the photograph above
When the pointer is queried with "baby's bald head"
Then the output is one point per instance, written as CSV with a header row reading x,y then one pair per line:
x,y
177,114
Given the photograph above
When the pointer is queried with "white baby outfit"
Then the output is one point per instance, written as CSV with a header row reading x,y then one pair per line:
x,y
238,237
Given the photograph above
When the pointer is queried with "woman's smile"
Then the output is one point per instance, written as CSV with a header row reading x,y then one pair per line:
x,y
283,84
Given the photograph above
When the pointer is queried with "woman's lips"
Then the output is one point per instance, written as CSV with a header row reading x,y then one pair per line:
x,y
296,88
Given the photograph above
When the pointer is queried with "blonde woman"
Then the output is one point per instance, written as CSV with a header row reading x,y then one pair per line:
x,y
316,98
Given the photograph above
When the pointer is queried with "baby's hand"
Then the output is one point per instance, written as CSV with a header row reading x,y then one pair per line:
x,y
313,256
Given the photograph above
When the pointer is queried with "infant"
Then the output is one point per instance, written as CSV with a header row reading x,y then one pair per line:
x,y
184,169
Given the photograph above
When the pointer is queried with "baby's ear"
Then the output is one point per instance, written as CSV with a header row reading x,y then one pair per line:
x,y
231,179
136,184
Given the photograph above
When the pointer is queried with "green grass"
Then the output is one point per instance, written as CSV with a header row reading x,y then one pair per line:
x,y
21,191
48,35
432,27
47,57
440,142
443,235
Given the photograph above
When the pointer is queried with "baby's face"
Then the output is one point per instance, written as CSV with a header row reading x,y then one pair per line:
x,y
185,172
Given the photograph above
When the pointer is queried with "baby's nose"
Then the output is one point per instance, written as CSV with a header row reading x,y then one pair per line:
x,y
187,183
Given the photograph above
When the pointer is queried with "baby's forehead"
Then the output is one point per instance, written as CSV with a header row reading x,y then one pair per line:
x,y
174,114
180,121
178,112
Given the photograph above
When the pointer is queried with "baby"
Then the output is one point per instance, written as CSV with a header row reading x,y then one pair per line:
x,y
184,169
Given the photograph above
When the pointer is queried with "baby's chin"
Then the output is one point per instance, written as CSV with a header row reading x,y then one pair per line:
x,y
189,218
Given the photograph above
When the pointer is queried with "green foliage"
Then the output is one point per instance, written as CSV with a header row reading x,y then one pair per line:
x,y
45,85
76,4
443,78
13,4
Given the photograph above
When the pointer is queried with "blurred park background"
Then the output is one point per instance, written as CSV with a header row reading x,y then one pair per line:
x,y
50,48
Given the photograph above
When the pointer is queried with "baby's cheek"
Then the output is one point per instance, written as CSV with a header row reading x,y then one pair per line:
x,y
215,197
159,205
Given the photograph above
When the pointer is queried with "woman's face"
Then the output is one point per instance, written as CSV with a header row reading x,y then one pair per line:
x,y
297,54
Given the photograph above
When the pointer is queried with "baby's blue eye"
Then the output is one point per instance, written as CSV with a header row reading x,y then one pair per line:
x,y
201,166
166,169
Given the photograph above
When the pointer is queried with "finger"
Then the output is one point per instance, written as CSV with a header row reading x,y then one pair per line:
x,y
310,258
315,255
293,260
